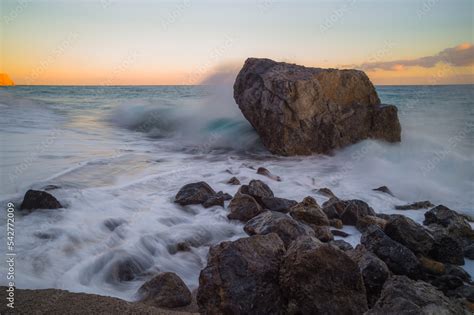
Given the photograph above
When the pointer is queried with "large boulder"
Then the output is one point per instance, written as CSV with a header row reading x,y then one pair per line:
x,y
165,290
242,277
287,228
299,111
37,199
409,233
243,208
402,295
318,278
309,212
194,193
399,259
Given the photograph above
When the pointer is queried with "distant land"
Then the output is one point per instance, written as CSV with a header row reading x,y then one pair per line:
x,y
5,79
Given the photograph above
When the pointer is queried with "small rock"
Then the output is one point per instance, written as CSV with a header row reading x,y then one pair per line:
x,y
242,277
37,199
243,208
410,234
233,181
326,192
224,195
194,193
364,222
354,210
277,204
341,244
183,247
323,233
309,212
384,189
214,200
165,290
416,206
336,223
287,228
263,171
339,233
259,190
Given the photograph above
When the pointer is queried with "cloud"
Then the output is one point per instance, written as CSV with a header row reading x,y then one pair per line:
x,y
459,56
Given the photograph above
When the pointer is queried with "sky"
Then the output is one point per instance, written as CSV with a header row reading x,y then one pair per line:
x,y
115,42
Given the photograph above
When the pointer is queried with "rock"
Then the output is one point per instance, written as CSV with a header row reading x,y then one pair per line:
x,y
469,252
342,245
374,272
401,295
446,283
336,223
165,290
183,247
333,208
399,259
194,193
119,266
326,192
278,204
354,210
37,199
447,248
410,234
309,212
259,190
465,291
431,266
243,208
323,233
287,228
384,189
317,278
263,171
299,111
456,224
224,195
364,222
233,181
241,277
457,271
214,200
339,233
416,205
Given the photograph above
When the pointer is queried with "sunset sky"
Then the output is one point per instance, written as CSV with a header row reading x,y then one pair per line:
x,y
181,42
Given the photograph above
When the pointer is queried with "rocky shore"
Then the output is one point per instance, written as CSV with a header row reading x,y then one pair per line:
x,y
291,264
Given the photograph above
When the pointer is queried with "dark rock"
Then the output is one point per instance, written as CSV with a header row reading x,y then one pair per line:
x,y
384,189
287,228
241,277
455,224
465,291
259,190
183,247
409,233
243,208
194,193
233,181
447,248
326,192
342,245
333,208
309,212
336,223
119,266
383,216
299,111
401,295
278,204
214,200
416,205
165,290
224,195
354,210
318,278
399,259
323,233
431,266
447,283
263,171
339,233
111,224
374,272
457,271
364,222
469,251
36,199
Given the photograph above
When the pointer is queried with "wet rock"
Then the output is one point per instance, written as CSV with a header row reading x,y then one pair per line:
x,y
416,205
119,266
277,204
374,272
112,223
446,248
409,233
336,223
194,193
333,208
401,295
431,266
214,200
309,212
383,189
455,224
287,228
318,278
399,259
326,192
299,111
469,252
342,245
354,210
224,195
233,181
37,199
457,271
323,233
364,222
241,277
243,208
263,171
183,247
165,290
259,190
339,233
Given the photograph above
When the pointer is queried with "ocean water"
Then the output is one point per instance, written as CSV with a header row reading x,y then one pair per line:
x,y
118,155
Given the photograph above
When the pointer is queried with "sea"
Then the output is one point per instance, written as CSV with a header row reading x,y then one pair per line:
x,y
115,157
